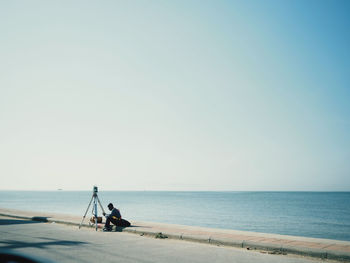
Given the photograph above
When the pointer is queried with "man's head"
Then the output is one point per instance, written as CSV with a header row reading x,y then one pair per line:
x,y
110,206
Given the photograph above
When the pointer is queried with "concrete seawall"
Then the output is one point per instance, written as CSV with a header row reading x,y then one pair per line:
x,y
272,243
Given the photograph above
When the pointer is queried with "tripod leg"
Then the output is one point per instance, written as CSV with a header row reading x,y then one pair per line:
x,y
95,206
86,212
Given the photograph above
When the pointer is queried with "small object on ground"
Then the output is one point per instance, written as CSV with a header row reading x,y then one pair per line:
x,y
99,219
251,248
277,252
160,235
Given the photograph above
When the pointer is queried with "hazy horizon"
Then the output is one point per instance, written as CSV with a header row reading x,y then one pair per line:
x,y
239,191
175,95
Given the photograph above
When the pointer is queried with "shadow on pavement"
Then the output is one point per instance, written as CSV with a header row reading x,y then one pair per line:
x,y
119,228
17,221
10,257
13,244
40,218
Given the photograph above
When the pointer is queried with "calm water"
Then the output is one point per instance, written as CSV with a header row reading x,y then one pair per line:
x,y
310,214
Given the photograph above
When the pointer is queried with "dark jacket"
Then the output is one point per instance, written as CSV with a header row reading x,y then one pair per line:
x,y
115,214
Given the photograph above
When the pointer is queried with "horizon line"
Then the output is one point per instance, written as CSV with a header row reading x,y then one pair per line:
x,y
118,190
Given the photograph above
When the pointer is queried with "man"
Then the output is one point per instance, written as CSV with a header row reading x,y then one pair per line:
x,y
114,217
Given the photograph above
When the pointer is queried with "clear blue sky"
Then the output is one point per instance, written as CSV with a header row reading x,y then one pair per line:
x,y
175,95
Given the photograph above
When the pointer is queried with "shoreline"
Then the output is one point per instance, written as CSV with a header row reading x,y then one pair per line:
x,y
315,215
274,243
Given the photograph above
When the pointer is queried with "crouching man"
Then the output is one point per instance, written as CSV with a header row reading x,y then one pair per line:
x,y
115,218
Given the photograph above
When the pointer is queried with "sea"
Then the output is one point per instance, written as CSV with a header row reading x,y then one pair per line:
x,y
308,214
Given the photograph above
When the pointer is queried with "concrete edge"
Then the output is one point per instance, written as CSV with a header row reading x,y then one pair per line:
x,y
250,245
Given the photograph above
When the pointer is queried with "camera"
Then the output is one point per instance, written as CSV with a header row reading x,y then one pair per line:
x,y
95,189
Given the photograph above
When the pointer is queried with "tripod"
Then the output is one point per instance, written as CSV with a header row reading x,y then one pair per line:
x,y
94,207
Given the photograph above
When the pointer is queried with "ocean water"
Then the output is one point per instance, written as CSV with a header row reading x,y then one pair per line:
x,y
309,214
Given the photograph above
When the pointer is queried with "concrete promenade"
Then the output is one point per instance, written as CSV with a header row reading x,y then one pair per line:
x,y
267,243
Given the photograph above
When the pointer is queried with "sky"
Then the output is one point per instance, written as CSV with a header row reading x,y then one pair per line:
x,y
175,95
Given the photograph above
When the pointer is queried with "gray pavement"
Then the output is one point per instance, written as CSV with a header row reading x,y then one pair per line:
x,y
270,243
66,243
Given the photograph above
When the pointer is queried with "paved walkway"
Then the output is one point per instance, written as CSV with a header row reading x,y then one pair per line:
x,y
49,242
321,248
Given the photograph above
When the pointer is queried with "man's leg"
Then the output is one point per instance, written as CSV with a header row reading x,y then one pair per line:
x,y
107,224
114,221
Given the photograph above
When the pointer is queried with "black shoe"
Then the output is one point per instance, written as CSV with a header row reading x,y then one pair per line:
x,y
107,229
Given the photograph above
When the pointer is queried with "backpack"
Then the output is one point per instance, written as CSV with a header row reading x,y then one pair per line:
x,y
123,223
